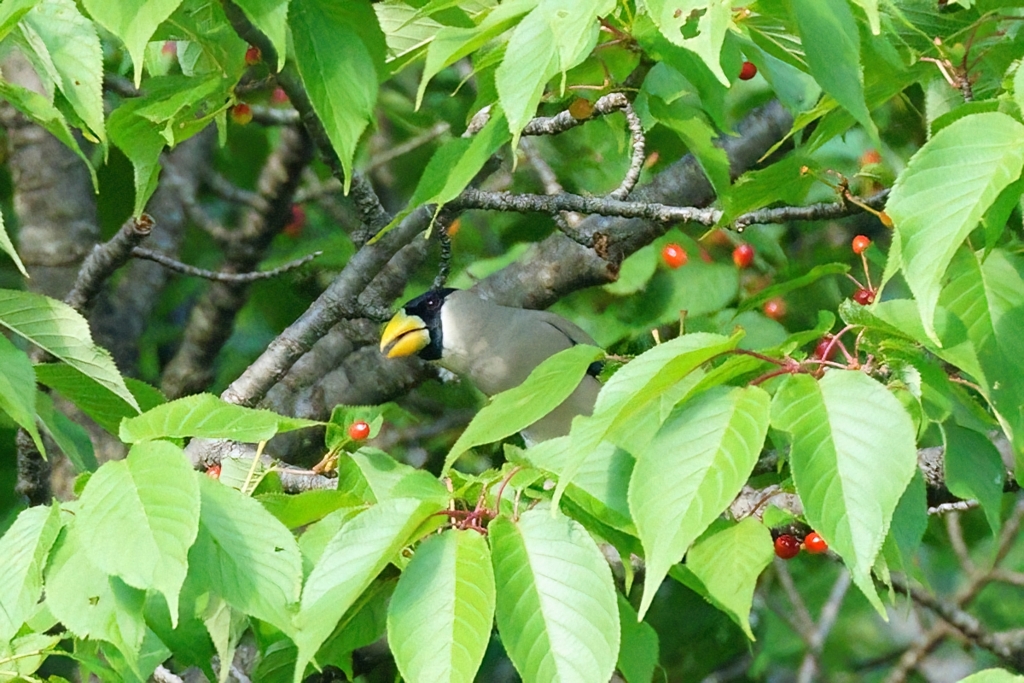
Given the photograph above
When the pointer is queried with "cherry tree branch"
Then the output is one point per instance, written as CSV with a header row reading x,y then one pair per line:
x,y
105,259
216,276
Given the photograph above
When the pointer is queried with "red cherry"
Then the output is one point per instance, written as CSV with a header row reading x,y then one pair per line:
x,y
743,255
294,227
823,351
279,96
213,471
359,430
170,47
775,308
787,547
747,71
860,244
674,255
252,55
241,114
815,544
870,157
864,296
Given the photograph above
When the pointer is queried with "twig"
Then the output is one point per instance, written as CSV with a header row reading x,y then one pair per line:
x,y
105,259
956,541
274,116
563,121
227,190
445,261
804,621
164,675
636,162
913,656
434,132
813,212
826,620
185,269
955,506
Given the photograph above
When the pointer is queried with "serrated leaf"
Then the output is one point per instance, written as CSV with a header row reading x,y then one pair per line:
x,y
452,167
831,45
852,457
226,627
206,416
8,247
300,509
388,478
870,8
18,389
245,555
556,609
351,560
74,48
440,616
974,469
699,137
624,406
638,654
554,37
41,110
726,566
70,437
548,385
988,297
452,43
60,330
271,18
24,549
948,186
692,469
105,408
783,181
89,602
340,58
364,623
23,656
408,32
139,516
698,25
133,22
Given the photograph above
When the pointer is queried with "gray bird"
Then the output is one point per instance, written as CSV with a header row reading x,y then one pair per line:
x,y
496,347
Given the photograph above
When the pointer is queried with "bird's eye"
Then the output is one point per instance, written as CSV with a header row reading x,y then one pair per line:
x,y
432,302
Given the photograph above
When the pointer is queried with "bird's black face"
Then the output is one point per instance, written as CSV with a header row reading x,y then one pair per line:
x,y
416,328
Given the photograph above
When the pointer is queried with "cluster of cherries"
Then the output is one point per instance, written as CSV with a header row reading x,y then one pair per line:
x,y
788,546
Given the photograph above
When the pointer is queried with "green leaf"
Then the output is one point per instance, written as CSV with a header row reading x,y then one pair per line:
x,y
988,297
697,25
139,517
8,247
554,37
133,22
23,553
206,416
724,568
692,469
388,478
23,656
789,285
909,522
61,331
548,385
40,110
351,560
440,616
639,396
870,8
689,124
452,43
638,654
73,47
831,44
11,13
974,469
948,186
70,437
300,509
271,18
556,609
993,676
105,408
18,389
852,457
226,627
340,58
245,555
89,602
453,166
407,30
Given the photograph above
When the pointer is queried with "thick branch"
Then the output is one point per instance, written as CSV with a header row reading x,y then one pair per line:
x,y
105,259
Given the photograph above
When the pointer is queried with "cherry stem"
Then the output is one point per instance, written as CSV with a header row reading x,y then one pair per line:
x,y
774,373
867,273
504,482
855,281
760,356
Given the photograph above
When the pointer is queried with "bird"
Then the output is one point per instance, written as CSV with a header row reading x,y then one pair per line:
x,y
495,347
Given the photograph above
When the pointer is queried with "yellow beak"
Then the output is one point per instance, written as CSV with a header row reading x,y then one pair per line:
x,y
404,335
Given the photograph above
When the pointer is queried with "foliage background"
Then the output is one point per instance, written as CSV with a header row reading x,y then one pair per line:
x,y
358,113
